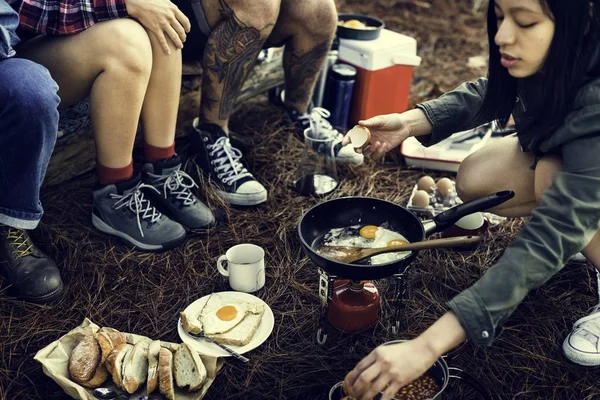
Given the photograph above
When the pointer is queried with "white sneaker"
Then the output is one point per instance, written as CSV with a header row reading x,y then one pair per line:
x,y
317,119
582,346
578,258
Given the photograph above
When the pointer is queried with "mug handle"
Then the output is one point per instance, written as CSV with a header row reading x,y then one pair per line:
x,y
459,374
222,270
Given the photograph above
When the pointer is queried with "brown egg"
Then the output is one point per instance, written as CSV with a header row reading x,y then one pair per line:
x,y
445,186
420,199
425,183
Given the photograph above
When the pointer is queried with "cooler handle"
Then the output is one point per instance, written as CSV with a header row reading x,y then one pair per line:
x,y
406,59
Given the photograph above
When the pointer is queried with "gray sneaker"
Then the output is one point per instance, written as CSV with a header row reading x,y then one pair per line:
x,y
123,211
174,194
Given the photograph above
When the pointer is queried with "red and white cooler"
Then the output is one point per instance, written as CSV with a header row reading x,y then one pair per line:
x,y
385,66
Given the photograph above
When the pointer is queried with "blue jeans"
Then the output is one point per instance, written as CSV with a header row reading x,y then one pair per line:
x,y
28,127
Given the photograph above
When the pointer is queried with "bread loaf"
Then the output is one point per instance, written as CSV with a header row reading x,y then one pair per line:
x,y
165,374
84,360
100,376
152,381
188,368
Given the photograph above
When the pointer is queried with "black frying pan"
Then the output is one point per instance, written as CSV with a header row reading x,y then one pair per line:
x,y
349,211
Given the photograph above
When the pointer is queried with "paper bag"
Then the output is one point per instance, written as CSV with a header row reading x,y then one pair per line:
x,y
55,358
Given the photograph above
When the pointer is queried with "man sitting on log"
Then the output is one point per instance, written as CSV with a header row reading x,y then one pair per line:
x,y
131,70
28,127
227,36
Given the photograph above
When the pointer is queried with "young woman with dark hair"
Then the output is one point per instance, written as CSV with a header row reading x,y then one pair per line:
x,y
544,70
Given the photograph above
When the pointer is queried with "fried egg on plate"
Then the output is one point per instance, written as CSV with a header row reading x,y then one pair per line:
x,y
226,316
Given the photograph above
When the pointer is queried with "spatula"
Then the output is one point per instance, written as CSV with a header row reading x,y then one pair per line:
x,y
349,255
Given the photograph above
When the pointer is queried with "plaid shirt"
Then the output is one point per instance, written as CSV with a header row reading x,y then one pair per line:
x,y
65,17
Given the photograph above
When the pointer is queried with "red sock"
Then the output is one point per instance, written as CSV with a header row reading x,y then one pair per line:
x,y
108,175
154,154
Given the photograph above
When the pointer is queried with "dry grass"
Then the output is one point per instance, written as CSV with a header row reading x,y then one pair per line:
x,y
143,293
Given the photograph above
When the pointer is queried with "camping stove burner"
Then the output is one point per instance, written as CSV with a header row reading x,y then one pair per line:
x,y
327,284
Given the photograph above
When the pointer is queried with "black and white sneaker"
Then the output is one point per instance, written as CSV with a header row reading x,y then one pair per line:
x,y
175,195
317,120
122,210
220,161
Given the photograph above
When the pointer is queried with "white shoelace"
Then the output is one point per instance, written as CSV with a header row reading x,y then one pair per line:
x,y
589,327
138,204
320,125
228,167
179,184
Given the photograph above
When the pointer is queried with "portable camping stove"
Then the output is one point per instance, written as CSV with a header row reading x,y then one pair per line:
x,y
326,288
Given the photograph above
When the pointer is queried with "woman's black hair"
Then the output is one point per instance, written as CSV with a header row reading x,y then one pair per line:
x,y
562,74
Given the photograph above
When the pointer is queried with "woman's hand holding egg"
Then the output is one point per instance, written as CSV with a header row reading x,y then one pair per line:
x,y
386,132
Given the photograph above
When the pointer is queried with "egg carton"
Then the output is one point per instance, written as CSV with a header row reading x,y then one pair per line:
x,y
439,204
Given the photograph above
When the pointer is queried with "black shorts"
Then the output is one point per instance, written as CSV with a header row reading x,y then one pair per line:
x,y
193,48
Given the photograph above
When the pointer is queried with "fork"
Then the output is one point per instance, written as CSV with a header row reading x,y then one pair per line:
x,y
202,335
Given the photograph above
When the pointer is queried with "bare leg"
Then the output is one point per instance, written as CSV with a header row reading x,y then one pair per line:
x,y
239,30
307,28
159,112
507,167
113,72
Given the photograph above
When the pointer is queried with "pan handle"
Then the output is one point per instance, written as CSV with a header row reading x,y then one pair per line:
x,y
459,374
449,217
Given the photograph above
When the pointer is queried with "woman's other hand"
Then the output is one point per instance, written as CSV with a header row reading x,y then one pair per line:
x,y
388,368
162,18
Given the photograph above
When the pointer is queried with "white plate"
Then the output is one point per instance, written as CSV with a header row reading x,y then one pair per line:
x,y
210,349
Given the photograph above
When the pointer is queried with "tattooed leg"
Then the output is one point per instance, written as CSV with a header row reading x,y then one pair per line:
x,y
231,51
307,28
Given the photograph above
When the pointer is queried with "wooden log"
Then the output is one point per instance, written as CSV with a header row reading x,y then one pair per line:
x,y
75,153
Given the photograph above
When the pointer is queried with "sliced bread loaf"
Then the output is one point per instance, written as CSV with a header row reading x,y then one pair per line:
x,y
165,374
114,362
106,345
135,367
84,359
152,381
188,368
243,333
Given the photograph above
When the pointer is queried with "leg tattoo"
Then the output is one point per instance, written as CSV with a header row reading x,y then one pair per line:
x,y
302,71
230,54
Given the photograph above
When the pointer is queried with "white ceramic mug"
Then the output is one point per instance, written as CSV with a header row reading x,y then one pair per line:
x,y
245,267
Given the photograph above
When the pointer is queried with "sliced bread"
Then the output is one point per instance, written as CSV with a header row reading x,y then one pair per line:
x,y
243,333
106,345
190,323
135,367
84,359
165,374
152,381
114,362
188,368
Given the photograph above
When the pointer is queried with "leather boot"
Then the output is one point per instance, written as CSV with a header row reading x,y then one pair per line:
x,y
31,274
